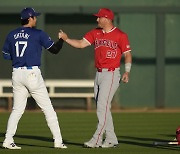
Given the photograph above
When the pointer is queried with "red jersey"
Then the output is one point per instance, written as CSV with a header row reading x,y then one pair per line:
x,y
108,47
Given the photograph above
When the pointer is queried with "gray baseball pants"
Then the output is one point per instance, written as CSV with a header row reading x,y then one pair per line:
x,y
106,84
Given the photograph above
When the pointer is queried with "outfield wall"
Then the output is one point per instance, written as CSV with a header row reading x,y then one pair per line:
x,y
153,28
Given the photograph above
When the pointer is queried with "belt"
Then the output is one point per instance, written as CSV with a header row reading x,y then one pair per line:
x,y
105,69
27,67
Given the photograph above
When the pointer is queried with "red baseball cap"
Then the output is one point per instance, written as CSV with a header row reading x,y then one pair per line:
x,y
104,12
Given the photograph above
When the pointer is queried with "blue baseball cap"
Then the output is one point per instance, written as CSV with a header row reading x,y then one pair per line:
x,y
29,12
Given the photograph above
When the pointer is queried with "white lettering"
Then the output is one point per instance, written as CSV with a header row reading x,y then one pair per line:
x,y
107,43
21,35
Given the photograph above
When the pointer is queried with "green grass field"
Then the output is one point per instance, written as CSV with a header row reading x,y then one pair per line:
x,y
136,133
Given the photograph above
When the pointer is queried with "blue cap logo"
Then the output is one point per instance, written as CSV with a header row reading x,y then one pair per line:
x,y
29,12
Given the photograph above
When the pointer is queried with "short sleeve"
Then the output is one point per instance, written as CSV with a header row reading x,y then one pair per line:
x,y
124,43
46,41
89,37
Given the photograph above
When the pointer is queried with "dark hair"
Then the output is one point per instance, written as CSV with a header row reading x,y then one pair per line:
x,y
25,21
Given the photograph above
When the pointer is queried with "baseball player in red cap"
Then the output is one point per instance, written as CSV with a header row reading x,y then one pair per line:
x,y
110,43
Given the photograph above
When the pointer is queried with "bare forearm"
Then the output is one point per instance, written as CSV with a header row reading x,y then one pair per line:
x,y
75,43
128,58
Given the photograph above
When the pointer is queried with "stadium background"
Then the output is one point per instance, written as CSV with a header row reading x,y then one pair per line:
x,y
153,29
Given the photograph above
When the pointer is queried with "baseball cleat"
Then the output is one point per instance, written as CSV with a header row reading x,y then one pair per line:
x,y
108,145
60,145
10,145
91,145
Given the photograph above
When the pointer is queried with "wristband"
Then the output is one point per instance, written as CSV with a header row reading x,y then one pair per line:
x,y
127,67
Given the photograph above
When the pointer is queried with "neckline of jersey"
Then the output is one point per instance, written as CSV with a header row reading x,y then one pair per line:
x,y
109,31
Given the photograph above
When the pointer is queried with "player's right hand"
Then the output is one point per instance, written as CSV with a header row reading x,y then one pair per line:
x,y
63,35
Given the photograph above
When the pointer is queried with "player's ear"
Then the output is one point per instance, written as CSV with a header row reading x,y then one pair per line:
x,y
30,19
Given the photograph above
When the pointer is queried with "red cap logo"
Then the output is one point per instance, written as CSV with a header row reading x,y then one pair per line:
x,y
104,12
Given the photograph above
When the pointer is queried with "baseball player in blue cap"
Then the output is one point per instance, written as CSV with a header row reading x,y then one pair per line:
x,y
24,47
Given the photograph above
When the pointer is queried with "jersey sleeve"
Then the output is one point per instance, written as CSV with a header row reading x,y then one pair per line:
x,y
6,50
45,40
124,43
89,37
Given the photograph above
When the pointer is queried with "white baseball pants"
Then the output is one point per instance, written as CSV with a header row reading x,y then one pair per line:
x,y
25,81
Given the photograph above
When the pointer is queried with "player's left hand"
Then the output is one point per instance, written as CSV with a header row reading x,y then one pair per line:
x,y
125,77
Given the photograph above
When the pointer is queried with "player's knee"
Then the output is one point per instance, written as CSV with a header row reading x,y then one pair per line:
x,y
18,111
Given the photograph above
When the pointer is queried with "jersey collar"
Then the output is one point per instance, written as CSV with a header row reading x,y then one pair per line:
x,y
109,31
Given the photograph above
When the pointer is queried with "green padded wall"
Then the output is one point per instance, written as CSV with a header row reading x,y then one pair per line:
x,y
172,82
